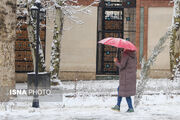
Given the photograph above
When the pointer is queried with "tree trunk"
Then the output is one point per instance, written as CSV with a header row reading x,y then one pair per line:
x,y
146,65
175,43
7,47
56,49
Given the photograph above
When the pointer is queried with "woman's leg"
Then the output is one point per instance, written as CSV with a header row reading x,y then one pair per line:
x,y
119,98
129,102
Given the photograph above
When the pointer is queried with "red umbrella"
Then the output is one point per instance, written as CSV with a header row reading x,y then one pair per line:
x,y
119,43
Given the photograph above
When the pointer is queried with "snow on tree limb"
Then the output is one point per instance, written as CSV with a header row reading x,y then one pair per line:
x,y
68,8
174,54
63,8
145,66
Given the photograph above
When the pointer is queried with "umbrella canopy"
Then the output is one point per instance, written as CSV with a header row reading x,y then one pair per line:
x,y
119,43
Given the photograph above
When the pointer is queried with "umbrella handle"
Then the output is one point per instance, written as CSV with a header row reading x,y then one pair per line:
x,y
117,53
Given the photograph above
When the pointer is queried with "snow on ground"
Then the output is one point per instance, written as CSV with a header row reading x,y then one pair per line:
x,y
94,100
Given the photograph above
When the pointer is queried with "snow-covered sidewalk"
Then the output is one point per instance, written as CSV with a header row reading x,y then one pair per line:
x,y
94,100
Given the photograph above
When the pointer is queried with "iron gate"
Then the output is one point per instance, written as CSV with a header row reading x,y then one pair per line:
x,y
116,18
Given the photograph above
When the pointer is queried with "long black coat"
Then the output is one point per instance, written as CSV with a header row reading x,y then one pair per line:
x,y
127,74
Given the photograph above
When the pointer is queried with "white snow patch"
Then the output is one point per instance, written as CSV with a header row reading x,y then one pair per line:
x,y
38,1
94,100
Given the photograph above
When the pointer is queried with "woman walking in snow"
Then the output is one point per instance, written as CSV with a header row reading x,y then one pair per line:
x,y
127,78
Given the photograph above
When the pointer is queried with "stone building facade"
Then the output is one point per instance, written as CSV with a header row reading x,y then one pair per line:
x,y
149,20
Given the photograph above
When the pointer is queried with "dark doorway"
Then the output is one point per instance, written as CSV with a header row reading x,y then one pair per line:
x,y
116,18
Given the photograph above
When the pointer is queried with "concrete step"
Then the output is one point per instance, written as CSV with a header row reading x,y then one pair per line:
x,y
107,77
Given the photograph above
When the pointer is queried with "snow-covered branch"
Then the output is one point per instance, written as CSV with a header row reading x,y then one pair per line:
x,y
71,8
145,66
62,8
174,59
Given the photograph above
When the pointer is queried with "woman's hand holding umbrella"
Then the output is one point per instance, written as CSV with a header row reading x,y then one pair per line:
x,y
115,60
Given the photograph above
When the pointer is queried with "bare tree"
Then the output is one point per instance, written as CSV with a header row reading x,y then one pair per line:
x,y
55,53
146,65
24,10
68,8
175,42
62,8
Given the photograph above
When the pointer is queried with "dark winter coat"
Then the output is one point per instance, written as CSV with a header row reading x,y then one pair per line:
x,y
127,74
